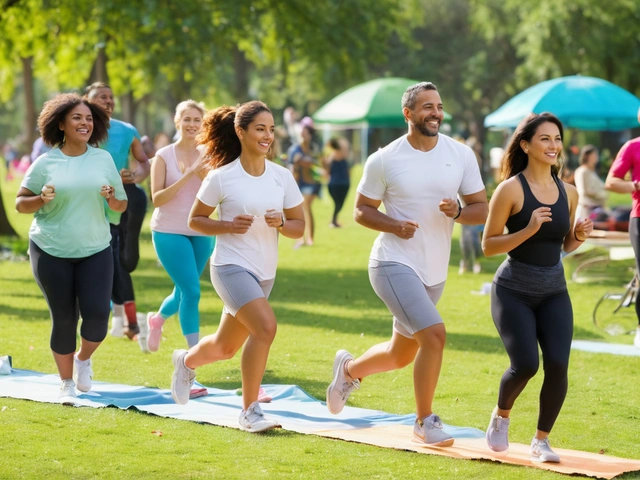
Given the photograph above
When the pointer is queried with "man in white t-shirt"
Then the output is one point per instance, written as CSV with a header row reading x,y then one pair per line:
x,y
418,178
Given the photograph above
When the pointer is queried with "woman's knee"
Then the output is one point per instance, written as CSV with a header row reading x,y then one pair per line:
x,y
525,371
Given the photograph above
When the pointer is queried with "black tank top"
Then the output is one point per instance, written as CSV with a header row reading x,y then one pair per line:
x,y
545,246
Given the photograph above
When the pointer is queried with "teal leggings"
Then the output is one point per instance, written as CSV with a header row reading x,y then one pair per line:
x,y
184,258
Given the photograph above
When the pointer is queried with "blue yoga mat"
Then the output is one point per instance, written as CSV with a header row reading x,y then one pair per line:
x,y
602,347
295,409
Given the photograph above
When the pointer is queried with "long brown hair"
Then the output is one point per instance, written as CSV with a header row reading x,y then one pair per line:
x,y
218,136
515,160
55,111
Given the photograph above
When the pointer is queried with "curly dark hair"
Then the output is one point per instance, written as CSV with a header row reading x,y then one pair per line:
x,y
515,160
218,135
56,110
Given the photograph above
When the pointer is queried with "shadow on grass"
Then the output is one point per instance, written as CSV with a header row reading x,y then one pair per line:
x,y
25,313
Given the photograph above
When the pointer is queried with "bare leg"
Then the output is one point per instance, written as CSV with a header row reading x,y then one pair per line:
x,y
87,349
309,230
64,364
426,369
383,357
222,345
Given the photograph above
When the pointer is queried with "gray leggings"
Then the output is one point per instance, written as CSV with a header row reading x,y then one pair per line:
x,y
412,303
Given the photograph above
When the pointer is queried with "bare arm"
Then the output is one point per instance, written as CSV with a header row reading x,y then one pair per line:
x,y
474,212
200,221
581,229
619,185
508,199
366,213
160,194
29,202
289,223
114,204
143,167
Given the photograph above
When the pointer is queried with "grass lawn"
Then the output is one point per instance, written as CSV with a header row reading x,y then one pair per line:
x,y
323,302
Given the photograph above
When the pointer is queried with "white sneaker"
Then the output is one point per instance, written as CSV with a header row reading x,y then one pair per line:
x,y
82,374
143,335
498,433
253,420
117,326
477,268
636,339
183,378
341,387
429,430
67,394
541,451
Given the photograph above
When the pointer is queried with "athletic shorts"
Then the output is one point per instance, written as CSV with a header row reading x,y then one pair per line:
x,y
412,303
237,286
310,188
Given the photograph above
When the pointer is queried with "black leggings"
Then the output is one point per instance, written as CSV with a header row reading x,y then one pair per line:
x,y
125,242
634,236
73,287
524,321
339,194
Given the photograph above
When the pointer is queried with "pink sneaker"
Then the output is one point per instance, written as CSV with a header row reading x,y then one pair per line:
x,y
155,323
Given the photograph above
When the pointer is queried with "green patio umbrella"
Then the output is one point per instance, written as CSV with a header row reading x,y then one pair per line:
x,y
371,104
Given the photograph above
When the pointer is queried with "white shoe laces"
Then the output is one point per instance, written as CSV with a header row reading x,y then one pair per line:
x,y
348,386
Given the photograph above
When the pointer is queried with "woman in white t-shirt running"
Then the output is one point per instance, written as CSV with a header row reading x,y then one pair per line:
x,y
256,199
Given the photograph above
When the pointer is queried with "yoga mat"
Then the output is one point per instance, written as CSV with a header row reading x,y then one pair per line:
x,y
299,412
603,347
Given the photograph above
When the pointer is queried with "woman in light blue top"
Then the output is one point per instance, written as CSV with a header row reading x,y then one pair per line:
x,y
71,258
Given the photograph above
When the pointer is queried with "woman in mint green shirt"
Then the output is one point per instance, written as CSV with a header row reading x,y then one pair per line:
x,y
66,189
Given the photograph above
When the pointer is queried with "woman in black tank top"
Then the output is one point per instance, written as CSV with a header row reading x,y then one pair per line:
x,y
530,304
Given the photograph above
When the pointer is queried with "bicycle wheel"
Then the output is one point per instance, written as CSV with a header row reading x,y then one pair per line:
x,y
615,313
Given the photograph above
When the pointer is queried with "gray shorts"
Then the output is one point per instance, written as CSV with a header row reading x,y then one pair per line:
x,y
412,303
237,286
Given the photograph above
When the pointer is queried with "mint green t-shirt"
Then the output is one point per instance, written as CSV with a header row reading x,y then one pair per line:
x,y
73,224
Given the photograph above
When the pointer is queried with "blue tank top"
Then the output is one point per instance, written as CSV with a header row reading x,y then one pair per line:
x,y
339,172
545,246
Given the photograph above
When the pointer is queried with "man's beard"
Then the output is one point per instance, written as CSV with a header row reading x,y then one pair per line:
x,y
424,130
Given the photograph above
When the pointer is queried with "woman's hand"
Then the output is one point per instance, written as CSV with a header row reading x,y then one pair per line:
x,y
274,218
107,192
538,217
241,224
582,229
48,193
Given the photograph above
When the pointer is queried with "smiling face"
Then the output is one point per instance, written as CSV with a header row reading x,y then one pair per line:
x,y
104,98
427,113
77,125
545,145
190,123
258,136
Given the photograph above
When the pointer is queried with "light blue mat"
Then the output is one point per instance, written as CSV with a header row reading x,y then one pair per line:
x,y
603,347
291,406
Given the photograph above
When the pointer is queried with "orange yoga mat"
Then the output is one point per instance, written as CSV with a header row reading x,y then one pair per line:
x,y
571,461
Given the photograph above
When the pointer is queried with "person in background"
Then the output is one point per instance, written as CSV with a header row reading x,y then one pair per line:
x,y
591,188
305,159
418,177
69,248
530,304
257,200
627,165
125,227
337,164
176,175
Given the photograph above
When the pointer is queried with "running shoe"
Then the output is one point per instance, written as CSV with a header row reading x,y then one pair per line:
x,y
429,430
342,385
253,420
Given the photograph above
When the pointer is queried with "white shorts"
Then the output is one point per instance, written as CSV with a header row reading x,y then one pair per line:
x,y
412,303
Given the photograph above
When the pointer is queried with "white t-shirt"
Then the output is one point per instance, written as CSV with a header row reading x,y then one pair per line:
x,y
235,192
411,184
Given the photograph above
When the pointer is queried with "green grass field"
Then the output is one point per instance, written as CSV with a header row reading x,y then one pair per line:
x,y
323,302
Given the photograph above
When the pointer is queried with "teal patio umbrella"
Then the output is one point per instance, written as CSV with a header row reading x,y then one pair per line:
x,y
585,103
373,104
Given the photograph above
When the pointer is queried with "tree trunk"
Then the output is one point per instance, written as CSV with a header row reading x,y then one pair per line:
x,y
30,118
5,227
241,67
99,68
128,107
